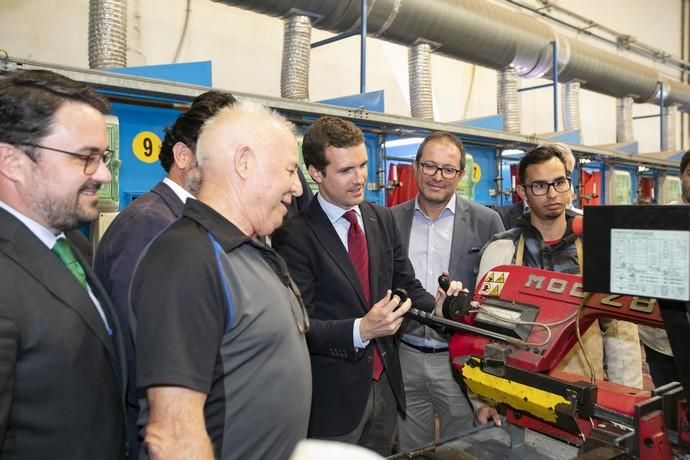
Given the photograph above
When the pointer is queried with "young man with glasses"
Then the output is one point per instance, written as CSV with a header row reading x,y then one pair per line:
x,y
543,238
62,369
441,232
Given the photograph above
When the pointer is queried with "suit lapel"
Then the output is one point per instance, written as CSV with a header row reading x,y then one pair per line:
x,y
406,221
457,246
327,236
29,252
115,343
169,197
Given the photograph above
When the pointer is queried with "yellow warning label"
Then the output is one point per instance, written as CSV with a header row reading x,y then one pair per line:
x,y
476,173
495,291
501,278
489,278
146,146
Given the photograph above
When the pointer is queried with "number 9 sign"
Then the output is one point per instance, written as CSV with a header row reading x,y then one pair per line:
x,y
146,146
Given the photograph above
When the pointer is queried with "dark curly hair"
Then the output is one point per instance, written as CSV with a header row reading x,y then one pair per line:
x,y
325,132
187,126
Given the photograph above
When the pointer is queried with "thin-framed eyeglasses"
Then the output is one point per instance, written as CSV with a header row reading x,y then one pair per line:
x,y
447,172
560,185
91,160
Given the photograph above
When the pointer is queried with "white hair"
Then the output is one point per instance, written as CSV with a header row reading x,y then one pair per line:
x,y
261,117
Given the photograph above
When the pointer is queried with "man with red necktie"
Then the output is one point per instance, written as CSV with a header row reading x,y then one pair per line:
x,y
346,256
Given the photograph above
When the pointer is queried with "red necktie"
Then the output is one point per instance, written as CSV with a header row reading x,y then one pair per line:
x,y
359,255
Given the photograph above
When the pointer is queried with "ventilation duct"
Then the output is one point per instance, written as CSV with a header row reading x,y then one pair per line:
x,y
668,136
294,70
571,105
624,120
483,33
419,68
508,99
107,34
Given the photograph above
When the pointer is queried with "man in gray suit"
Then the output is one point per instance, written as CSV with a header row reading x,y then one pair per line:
x,y
62,372
442,232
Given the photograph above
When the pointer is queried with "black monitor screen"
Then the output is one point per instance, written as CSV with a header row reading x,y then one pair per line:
x,y
638,250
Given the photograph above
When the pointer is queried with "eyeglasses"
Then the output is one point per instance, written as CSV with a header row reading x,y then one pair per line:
x,y
539,188
447,172
91,161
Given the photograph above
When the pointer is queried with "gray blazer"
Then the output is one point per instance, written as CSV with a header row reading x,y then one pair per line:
x,y
474,226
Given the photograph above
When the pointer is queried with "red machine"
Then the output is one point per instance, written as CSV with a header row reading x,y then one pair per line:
x,y
523,323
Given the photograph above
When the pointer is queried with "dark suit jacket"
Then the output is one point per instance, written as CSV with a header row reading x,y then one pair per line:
x,y
61,376
510,214
333,296
116,257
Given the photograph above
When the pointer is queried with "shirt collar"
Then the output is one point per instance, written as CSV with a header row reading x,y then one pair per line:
x,y
449,209
42,233
334,212
181,193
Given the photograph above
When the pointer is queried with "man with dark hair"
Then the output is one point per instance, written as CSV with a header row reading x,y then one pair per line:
x,y
137,224
512,212
543,238
441,232
62,372
346,256
221,351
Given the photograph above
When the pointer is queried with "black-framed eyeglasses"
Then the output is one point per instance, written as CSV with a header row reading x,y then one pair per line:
x,y
560,185
447,172
91,160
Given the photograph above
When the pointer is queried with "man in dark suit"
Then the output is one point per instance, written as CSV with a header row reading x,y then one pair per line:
x,y
140,222
62,372
510,213
441,232
346,256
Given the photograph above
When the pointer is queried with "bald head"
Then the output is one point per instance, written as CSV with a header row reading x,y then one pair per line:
x,y
248,158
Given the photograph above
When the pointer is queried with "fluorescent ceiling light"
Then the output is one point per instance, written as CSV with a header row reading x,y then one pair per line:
x,y
406,141
512,152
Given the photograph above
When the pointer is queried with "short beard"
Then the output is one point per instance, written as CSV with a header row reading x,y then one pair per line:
x,y
192,181
61,214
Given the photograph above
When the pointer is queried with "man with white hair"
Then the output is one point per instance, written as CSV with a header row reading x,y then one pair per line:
x,y
220,330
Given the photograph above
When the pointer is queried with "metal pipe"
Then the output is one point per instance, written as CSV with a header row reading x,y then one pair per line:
x,y
294,69
107,34
668,139
571,105
363,48
554,51
661,115
489,35
508,99
624,120
419,69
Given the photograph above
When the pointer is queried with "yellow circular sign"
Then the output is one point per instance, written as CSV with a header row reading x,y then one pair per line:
x,y
476,173
146,146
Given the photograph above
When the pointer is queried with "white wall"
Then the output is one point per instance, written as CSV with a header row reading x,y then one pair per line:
x,y
246,50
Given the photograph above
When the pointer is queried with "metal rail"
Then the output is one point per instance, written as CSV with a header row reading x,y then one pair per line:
x,y
148,89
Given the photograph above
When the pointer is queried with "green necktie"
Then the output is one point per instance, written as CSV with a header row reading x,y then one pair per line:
x,y
64,252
